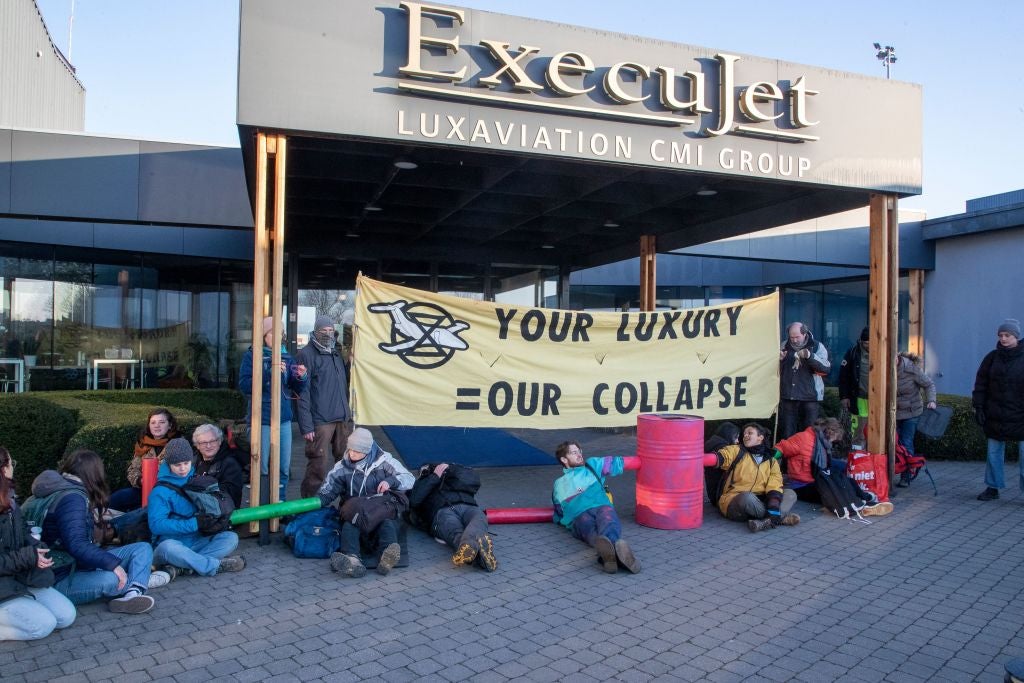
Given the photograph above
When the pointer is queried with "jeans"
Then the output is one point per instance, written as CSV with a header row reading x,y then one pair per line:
x,y
796,416
85,586
458,524
286,455
994,465
905,431
329,439
126,500
748,505
202,556
35,616
599,521
353,542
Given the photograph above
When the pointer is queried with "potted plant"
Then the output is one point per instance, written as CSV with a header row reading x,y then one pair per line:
x,y
29,349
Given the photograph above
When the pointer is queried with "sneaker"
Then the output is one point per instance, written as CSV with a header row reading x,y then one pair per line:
x,y
132,602
347,565
234,563
389,558
465,555
606,553
904,481
158,579
756,525
792,519
486,559
626,557
876,510
989,494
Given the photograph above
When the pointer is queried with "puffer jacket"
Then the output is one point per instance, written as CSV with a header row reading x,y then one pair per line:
x,y
290,382
797,450
326,399
999,391
803,383
746,475
18,556
579,490
347,479
431,493
171,515
910,380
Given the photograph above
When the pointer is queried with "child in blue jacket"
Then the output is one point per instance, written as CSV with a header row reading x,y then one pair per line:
x,y
583,507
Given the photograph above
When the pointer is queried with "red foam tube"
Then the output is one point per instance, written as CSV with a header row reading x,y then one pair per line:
x,y
149,470
710,459
631,462
519,515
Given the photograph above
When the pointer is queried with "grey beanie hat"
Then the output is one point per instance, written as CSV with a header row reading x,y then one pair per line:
x,y
1011,325
177,450
323,321
360,440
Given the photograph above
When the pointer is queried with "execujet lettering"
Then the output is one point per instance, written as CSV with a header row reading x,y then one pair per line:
x,y
560,326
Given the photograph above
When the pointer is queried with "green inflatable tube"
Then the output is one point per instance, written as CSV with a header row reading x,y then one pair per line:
x,y
288,507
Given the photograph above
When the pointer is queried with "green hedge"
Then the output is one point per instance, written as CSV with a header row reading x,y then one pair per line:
x,y
107,422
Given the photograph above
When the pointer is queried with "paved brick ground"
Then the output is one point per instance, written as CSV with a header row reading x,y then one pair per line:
x,y
933,593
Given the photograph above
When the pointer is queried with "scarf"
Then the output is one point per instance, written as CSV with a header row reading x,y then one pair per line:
x,y
324,342
147,443
796,350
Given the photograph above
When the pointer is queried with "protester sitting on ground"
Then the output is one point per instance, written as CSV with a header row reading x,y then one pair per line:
x,y
366,472
66,505
187,542
798,451
30,608
218,460
442,503
161,427
911,380
582,505
752,489
726,434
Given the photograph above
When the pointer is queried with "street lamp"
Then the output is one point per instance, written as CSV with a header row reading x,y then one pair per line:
x,y
886,55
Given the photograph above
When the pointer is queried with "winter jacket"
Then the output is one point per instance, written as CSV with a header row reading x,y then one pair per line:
x,y
910,380
69,524
802,383
171,515
797,450
431,493
326,399
849,374
18,556
999,391
225,469
579,490
746,475
347,479
146,447
290,382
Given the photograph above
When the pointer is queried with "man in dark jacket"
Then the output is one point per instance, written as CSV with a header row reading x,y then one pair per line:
x,y
999,404
853,385
218,460
802,363
324,417
443,504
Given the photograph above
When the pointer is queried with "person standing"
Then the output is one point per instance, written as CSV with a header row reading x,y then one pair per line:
x,y
853,385
325,420
910,381
803,361
998,401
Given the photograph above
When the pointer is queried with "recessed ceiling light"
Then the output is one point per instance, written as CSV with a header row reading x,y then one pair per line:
x,y
405,164
351,234
610,224
706,191
547,246
372,207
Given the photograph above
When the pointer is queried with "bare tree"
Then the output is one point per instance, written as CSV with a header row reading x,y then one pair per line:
x,y
329,302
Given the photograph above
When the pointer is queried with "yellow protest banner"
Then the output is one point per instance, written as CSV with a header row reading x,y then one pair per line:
x,y
424,359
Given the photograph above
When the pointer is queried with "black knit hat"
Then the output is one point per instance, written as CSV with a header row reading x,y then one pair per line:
x,y
176,451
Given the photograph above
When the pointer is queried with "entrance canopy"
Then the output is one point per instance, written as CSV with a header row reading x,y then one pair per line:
x,y
439,133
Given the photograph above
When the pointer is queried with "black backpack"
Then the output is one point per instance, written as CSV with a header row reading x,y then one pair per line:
x,y
34,512
207,499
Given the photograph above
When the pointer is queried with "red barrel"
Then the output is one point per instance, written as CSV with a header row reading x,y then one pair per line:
x,y
670,481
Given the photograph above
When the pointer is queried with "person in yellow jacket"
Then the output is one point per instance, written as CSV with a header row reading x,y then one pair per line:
x,y
752,489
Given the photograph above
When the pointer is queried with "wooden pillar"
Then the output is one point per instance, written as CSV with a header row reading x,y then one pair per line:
x,y
280,149
882,309
259,290
648,276
915,316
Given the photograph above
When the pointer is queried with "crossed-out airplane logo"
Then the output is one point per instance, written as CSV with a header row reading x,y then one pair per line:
x,y
423,335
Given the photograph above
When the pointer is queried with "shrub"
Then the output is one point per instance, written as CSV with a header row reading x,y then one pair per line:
x,y
35,431
215,403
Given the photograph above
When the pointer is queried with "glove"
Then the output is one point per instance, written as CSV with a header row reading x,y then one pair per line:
x,y
979,416
210,525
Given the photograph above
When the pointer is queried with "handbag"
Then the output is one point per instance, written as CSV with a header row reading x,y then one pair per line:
x,y
871,472
367,512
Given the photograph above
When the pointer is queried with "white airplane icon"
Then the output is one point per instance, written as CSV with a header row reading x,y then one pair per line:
x,y
416,333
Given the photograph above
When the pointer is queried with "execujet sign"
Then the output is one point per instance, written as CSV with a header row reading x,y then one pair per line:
x,y
427,359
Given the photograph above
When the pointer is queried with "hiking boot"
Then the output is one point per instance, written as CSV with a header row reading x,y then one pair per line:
x,y
606,553
485,559
876,510
626,557
389,558
465,555
158,579
989,494
792,519
347,565
756,525
234,563
132,602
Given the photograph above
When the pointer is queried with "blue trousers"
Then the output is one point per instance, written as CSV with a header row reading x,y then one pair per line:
x,y
36,615
905,431
599,521
202,555
994,465
286,455
81,587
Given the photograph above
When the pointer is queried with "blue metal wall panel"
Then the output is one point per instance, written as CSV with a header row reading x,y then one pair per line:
x,y
68,233
5,171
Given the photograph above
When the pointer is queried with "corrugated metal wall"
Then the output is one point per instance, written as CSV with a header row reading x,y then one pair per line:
x,y
37,87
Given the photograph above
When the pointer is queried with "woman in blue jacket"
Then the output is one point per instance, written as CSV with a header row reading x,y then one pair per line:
x,y
293,380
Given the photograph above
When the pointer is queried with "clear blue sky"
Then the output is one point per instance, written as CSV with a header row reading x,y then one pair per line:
x,y
166,70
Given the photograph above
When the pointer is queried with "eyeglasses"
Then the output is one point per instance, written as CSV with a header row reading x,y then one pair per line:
x,y
208,443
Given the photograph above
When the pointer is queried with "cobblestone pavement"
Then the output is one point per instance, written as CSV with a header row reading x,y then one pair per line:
x,y
934,592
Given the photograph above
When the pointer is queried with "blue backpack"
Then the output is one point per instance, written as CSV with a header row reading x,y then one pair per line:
x,y
314,534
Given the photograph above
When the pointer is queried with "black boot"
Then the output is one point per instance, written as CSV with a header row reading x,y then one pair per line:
x,y
989,494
